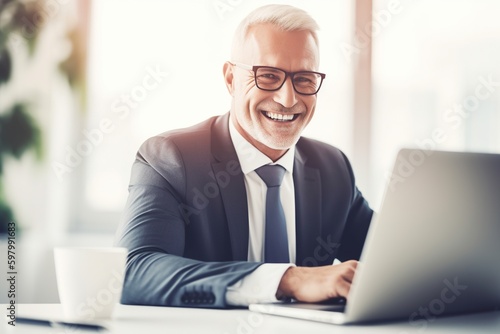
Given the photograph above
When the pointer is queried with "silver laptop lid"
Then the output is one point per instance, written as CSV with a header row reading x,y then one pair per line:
x,y
434,247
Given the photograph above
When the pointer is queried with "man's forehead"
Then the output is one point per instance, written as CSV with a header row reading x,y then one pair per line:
x,y
268,40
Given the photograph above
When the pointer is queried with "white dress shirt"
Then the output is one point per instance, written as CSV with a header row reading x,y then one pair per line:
x,y
261,285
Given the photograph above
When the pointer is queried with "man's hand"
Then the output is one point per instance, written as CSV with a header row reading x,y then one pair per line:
x,y
317,284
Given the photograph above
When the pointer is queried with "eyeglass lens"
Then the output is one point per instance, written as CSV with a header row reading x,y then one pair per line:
x,y
272,79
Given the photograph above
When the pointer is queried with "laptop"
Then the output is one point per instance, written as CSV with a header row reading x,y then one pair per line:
x,y
432,250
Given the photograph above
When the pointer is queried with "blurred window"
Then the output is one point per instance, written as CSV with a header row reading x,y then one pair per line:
x,y
436,80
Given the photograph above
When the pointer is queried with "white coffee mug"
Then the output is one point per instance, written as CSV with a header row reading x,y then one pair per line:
x,y
89,280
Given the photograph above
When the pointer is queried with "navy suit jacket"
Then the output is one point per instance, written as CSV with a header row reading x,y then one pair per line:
x,y
186,220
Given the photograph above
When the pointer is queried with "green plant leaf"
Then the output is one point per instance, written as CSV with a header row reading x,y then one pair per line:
x,y
18,131
6,216
5,66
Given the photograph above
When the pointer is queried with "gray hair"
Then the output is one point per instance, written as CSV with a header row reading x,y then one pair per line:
x,y
285,17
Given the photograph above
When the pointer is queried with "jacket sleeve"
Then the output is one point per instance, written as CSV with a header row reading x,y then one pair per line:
x,y
153,230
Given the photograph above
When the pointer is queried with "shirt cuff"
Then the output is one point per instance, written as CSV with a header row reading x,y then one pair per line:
x,y
260,286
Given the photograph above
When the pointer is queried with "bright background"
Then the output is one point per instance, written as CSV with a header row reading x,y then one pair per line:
x,y
425,68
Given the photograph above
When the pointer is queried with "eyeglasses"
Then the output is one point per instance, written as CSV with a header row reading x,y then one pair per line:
x,y
271,78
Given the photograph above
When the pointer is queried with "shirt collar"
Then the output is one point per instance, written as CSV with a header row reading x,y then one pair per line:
x,y
251,158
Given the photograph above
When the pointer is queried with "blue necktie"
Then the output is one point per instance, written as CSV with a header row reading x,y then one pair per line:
x,y
276,241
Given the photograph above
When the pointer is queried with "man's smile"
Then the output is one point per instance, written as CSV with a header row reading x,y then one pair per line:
x,y
279,117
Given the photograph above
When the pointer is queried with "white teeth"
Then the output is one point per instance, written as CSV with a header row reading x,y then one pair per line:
x,y
279,117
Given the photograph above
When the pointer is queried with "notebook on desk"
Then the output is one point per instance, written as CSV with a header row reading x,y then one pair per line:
x,y
432,250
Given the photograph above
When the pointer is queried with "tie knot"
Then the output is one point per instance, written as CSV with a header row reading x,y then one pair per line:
x,y
272,175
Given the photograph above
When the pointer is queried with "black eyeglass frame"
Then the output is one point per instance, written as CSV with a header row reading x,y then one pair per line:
x,y
254,68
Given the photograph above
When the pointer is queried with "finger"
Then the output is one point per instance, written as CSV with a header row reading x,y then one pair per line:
x,y
348,274
342,288
352,263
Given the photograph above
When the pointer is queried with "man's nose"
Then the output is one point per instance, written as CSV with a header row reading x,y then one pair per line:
x,y
286,95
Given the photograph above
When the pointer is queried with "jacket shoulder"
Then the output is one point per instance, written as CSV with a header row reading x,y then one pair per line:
x,y
169,153
171,143
315,149
324,156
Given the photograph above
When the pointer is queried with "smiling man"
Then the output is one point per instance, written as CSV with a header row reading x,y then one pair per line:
x,y
240,208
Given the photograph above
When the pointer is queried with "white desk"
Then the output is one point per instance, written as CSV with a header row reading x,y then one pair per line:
x,y
148,319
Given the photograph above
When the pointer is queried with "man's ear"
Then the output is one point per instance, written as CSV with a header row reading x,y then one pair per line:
x,y
228,77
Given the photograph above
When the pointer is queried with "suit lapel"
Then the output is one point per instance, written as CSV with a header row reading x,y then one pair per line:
x,y
307,183
231,183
